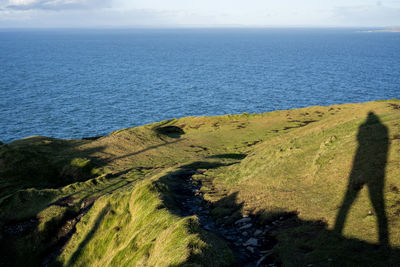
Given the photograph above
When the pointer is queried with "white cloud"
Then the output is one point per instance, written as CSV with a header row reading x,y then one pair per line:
x,y
160,13
98,18
56,4
363,15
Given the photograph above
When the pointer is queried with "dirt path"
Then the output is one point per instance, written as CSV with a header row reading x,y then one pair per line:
x,y
245,237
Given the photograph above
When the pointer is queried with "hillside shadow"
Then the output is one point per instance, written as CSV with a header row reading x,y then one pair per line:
x,y
237,156
368,170
44,162
310,243
40,165
178,186
170,131
88,236
144,150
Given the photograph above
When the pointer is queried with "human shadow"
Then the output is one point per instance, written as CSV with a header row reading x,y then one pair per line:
x,y
368,170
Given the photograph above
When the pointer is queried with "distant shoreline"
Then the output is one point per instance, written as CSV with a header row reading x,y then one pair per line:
x,y
396,29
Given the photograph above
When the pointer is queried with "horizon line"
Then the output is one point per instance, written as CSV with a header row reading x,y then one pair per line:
x,y
194,26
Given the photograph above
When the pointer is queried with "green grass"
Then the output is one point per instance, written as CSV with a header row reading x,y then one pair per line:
x,y
283,162
131,228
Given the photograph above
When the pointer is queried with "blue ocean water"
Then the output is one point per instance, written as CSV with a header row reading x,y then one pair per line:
x,y
81,83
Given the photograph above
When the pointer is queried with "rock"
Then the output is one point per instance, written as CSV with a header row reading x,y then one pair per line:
x,y
222,231
245,234
246,226
231,238
258,232
251,249
243,220
251,242
207,227
261,260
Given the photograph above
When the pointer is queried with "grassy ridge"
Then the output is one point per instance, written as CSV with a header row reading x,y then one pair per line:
x,y
267,165
131,228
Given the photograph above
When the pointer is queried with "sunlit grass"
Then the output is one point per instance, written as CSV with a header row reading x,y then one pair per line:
x,y
279,162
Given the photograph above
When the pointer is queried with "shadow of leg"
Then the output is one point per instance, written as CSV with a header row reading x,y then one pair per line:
x,y
376,196
351,195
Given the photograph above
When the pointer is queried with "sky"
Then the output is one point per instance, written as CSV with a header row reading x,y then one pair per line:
x,y
198,13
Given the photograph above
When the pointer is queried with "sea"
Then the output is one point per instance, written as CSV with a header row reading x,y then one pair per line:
x,y
76,83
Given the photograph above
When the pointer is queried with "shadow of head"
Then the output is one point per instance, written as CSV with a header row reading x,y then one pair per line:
x,y
170,131
372,118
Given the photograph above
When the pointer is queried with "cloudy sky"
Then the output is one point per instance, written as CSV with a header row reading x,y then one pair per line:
x,y
198,13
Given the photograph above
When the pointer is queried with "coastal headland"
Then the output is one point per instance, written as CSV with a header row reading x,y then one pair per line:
x,y
316,186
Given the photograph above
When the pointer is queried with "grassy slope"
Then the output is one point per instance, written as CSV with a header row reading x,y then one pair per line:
x,y
285,168
306,172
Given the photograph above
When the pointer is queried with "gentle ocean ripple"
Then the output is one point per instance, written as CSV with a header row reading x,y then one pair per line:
x,y
81,83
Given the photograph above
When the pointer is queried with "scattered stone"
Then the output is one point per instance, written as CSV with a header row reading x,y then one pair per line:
x,y
241,233
251,242
243,220
231,238
251,249
207,227
258,232
21,228
370,213
246,226
222,231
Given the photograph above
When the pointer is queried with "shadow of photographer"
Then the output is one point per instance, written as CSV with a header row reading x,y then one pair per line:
x,y
368,170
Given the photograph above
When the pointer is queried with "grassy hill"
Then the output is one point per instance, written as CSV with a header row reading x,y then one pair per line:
x,y
318,185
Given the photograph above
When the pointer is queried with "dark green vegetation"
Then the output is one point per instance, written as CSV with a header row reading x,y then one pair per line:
x,y
325,180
